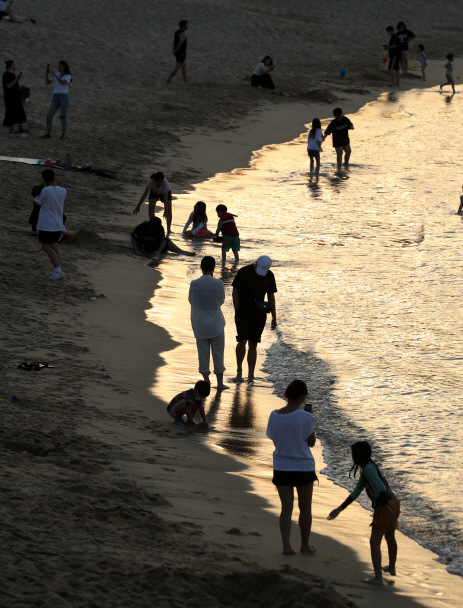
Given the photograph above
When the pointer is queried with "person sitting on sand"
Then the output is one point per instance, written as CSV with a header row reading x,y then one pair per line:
x,y
149,239
314,145
449,73
50,222
5,8
261,76
159,190
231,236
206,296
198,218
188,403
292,431
179,50
339,128
386,509
394,56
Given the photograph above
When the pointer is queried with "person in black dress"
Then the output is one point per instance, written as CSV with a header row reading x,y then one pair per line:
x,y
14,110
179,50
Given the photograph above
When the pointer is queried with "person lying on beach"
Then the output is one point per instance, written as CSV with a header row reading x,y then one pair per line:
x,y
149,239
292,431
261,76
231,236
179,50
394,56
314,144
159,190
449,73
339,128
198,218
188,403
386,509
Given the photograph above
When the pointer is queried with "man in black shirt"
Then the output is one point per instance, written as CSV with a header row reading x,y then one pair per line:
x,y
405,36
249,288
179,50
394,55
339,128
149,239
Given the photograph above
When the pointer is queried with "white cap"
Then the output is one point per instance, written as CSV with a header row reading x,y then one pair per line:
x,y
263,265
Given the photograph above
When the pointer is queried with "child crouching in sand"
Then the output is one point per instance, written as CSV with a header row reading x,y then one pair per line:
x,y
231,236
188,403
386,509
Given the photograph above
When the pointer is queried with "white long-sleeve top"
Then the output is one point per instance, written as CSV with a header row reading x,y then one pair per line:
x,y
206,296
198,227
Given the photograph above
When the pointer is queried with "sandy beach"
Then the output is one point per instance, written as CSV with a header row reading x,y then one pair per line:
x,y
104,502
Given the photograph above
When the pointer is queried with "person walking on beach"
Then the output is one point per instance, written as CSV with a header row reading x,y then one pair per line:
x,y
261,76
394,56
231,236
386,509
449,73
60,100
179,50
292,431
159,190
149,239
14,110
250,286
404,36
50,222
314,145
423,62
206,296
339,128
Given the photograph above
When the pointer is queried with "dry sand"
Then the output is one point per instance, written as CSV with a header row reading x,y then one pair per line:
x,y
103,503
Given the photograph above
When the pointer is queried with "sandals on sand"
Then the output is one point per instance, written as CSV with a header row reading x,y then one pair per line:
x,y
34,365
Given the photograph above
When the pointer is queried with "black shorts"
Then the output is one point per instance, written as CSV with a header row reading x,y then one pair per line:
x,y
157,197
296,479
249,325
394,63
180,57
49,237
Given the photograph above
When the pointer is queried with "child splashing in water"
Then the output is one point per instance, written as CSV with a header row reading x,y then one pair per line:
x,y
199,219
386,509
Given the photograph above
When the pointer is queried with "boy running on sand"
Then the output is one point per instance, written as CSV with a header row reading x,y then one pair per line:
x,y
423,62
448,73
231,236
386,509
188,403
339,128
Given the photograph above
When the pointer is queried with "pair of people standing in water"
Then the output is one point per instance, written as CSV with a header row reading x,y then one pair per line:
x,y
339,128
292,431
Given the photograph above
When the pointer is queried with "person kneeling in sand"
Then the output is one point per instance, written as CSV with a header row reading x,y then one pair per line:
x,y
188,403
149,239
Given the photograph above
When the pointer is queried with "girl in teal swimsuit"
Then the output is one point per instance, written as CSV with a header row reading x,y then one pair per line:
x,y
386,509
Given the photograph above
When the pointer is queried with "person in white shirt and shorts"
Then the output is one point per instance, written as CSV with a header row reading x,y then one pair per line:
x,y
50,222
157,189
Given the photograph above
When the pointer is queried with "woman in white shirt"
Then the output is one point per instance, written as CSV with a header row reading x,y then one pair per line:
x,y
314,144
261,76
60,99
292,432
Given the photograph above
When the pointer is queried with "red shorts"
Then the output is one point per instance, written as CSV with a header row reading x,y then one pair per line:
x,y
380,520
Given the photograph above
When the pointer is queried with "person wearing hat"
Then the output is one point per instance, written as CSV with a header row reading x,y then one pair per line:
x,y
250,286
206,296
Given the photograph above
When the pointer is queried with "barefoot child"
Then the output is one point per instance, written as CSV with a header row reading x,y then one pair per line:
x,y
422,58
386,509
292,431
199,219
314,144
449,73
231,236
188,403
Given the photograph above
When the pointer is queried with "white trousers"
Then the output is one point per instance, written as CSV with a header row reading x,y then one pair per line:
x,y
217,346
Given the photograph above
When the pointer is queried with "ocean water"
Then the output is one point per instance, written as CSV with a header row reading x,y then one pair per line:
x,y
368,263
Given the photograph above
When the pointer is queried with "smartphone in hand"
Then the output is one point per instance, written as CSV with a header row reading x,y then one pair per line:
x,y
308,408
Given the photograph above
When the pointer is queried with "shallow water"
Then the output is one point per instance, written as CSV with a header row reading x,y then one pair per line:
x,y
368,263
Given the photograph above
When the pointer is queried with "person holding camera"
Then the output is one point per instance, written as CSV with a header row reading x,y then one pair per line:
x,y
60,100
14,110
250,286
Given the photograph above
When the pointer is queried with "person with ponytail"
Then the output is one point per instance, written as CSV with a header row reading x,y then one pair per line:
x,y
292,431
14,110
314,144
60,100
